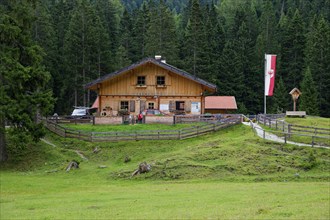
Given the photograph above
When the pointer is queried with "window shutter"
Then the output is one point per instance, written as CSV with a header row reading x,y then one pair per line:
x,y
142,105
132,105
172,106
187,106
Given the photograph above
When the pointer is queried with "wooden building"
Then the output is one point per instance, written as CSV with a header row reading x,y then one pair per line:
x,y
150,84
220,104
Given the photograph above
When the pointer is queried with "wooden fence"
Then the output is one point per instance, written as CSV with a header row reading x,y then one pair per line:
x,y
72,120
142,135
316,135
203,118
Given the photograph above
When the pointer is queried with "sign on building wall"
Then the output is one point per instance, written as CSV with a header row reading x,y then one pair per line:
x,y
195,107
164,107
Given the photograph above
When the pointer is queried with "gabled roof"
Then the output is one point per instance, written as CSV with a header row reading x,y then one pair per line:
x,y
158,63
220,102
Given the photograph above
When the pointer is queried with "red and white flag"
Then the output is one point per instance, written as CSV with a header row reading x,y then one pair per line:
x,y
270,70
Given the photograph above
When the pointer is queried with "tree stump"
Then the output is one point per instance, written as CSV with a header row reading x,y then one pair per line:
x,y
73,164
143,168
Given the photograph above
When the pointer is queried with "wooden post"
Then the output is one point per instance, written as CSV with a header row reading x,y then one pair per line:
x,y
313,141
174,119
285,138
276,124
93,120
264,134
179,134
289,130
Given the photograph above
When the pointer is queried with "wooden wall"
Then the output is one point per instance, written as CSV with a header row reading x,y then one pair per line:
x,y
125,84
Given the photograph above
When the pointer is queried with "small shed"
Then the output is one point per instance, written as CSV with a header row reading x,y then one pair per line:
x,y
220,104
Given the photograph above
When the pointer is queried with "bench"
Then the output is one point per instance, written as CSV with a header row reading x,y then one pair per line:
x,y
296,114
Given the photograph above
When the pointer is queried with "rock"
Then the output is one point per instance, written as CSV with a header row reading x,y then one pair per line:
x,y
102,166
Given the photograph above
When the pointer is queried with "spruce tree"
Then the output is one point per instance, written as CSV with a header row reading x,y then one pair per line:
x,y
281,98
309,96
23,79
161,36
317,53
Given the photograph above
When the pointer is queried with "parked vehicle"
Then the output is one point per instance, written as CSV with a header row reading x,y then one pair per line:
x,y
81,112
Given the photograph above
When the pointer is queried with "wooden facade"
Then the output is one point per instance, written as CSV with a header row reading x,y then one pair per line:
x,y
150,84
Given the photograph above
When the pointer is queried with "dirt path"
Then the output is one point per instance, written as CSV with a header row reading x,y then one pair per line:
x,y
53,145
272,137
47,142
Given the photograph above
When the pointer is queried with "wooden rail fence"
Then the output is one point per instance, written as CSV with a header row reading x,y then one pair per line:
x,y
316,135
142,135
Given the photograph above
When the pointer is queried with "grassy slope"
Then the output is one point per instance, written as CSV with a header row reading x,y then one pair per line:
x,y
213,176
311,121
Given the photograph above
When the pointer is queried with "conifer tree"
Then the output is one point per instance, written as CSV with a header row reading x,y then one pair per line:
x,y
23,79
281,98
317,53
194,39
161,34
309,96
292,49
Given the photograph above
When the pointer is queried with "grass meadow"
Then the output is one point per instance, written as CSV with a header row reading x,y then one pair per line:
x,y
229,174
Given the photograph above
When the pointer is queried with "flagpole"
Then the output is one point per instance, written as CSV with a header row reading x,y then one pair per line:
x,y
265,99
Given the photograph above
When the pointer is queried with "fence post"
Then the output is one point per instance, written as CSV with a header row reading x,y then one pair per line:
x,y
93,120
289,129
91,138
285,138
174,119
313,141
283,126
264,134
158,135
276,124
179,134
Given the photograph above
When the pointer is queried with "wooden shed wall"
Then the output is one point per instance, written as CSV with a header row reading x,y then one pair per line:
x,y
125,84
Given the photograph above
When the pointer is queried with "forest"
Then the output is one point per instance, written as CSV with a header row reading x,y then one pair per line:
x,y
72,42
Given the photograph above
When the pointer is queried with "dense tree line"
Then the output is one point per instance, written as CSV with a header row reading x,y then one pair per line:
x,y
50,48
223,42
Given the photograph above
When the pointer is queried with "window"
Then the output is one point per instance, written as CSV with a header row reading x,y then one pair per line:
x,y
141,80
160,80
124,105
151,105
179,105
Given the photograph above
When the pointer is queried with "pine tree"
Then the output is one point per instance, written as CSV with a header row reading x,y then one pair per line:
x,y
161,34
317,53
292,49
309,96
23,78
85,53
195,58
140,29
281,97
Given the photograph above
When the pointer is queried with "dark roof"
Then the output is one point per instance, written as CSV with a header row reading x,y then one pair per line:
x,y
158,63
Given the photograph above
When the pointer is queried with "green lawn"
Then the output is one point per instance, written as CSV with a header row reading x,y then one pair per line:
x,y
73,196
135,127
311,121
230,174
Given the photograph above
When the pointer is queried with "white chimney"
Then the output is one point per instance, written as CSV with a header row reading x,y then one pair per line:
x,y
158,57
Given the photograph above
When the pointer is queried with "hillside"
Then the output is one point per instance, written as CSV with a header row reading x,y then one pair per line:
x,y
233,154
